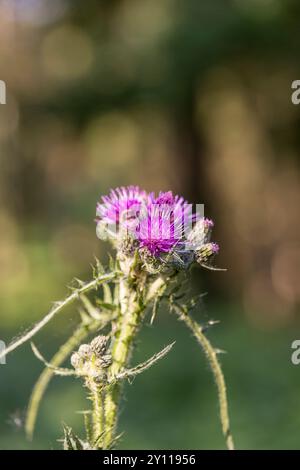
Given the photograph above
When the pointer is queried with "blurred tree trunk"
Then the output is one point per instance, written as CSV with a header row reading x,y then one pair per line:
x,y
190,153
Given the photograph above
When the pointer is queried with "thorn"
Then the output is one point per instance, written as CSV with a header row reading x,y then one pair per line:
x,y
209,324
212,268
154,311
220,351
79,282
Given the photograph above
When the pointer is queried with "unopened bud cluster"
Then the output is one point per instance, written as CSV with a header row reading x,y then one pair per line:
x,y
91,360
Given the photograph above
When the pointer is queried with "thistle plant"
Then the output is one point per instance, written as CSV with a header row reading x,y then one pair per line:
x,y
156,241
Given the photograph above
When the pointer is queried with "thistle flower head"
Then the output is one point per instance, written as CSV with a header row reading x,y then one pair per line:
x,y
162,229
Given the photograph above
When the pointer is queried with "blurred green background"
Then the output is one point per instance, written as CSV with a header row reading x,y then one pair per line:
x,y
192,96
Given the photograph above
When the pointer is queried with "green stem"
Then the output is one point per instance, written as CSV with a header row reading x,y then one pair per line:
x,y
216,370
127,326
98,398
124,330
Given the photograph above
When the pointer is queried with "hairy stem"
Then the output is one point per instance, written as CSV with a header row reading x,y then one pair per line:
x,y
126,328
98,398
43,381
211,355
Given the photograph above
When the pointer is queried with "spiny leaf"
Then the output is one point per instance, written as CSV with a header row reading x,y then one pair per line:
x,y
111,263
92,311
212,268
105,305
211,354
57,370
107,295
58,306
71,441
145,365
99,268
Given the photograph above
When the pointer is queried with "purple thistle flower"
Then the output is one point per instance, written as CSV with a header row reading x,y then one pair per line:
x,y
156,226
163,227
119,201
178,204
157,233
166,198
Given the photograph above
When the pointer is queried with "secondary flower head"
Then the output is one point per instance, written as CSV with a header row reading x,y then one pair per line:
x,y
162,227
200,233
163,230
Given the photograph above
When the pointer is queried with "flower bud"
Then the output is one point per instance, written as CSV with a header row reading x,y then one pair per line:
x,y
84,351
106,360
205,253
75,360
200,233
102,230
91,360
99,345
128,244
151,263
